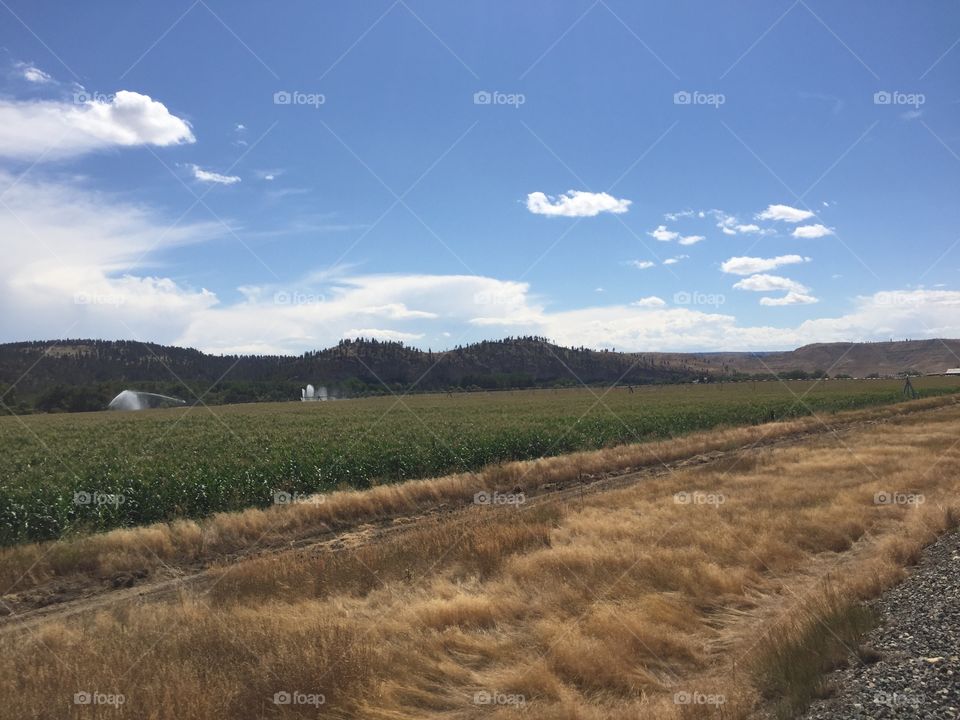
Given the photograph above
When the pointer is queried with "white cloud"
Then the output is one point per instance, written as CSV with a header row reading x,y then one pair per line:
x,y
662,234
674,216
769,283
791,298
575,203
808,232
649,302
34,74
674,260
641,264
82,264
752,265
54,129
206,176
691,239
730,225
784,213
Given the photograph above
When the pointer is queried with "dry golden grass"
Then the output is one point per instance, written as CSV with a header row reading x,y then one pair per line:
x,y
188,543
619,605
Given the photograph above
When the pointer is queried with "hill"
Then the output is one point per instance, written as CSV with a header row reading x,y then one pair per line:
x,y
854,359
77,375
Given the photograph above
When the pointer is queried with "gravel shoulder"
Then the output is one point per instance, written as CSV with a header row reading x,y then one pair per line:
x,y
918,640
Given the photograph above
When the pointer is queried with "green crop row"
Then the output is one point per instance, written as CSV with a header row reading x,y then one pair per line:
x,y
67,474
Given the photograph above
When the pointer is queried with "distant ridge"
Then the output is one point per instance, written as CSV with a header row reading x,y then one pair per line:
x,y
73,375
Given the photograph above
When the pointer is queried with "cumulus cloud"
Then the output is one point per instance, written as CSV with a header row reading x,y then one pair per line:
x,y
808,232
83,264
641,264
674,260
784,213
662,234
691,239
575,203
753,265
211,177
767,283
51,129
791,298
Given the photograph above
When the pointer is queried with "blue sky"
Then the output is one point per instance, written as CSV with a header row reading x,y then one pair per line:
x,y
645,176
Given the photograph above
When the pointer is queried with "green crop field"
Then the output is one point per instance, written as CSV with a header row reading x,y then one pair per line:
x,y
67,474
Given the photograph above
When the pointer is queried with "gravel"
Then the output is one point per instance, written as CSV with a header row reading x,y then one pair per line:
x,y
918,674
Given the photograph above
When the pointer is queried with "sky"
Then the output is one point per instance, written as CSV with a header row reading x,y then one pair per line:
x,y
247,177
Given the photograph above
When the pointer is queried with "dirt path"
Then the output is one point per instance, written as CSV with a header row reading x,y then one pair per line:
x,y
65,598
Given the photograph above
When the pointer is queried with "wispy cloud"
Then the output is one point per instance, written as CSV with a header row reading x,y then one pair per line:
x,y
752,265
212,177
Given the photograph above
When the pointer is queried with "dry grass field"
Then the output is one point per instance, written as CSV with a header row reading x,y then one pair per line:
x,y
718,589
